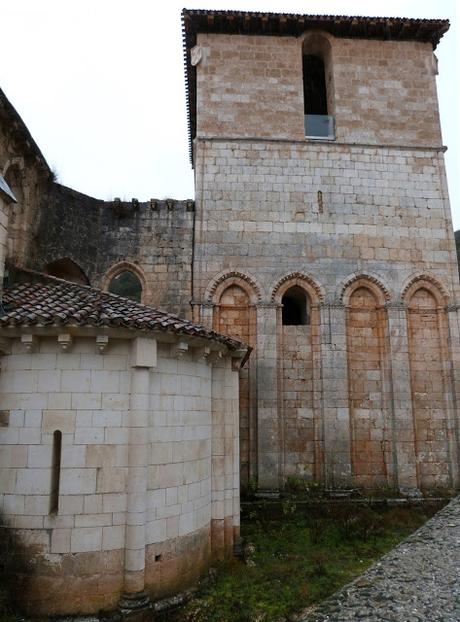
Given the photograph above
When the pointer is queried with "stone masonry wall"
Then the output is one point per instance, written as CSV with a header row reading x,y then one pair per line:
x,y
4,213
369,417
330,213
27,174
136,501
381,210
377,99
298,413
235,317
426,338
155,237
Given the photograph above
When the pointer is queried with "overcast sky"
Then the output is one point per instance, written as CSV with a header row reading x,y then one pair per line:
x,y
100,85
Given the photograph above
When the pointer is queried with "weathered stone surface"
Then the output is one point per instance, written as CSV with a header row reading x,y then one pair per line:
x,y
97,238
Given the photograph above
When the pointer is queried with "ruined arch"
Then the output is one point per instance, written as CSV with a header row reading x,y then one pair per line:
x,y
220,282
126,266
67,269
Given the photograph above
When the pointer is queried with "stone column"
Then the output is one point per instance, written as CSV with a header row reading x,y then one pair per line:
x,y
268,423
234,375
453,323
143,359
336,414
401,397
230,395
218,449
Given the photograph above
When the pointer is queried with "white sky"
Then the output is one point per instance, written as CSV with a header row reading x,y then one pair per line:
x,y
100,85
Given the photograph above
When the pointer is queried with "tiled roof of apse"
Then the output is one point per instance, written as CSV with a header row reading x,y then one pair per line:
x,y
56,302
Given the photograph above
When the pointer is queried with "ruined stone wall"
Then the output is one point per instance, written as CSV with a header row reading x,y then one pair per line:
x,y
27,174
155,238
4,213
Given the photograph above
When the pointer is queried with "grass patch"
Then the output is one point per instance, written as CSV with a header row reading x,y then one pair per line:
x,y
299,560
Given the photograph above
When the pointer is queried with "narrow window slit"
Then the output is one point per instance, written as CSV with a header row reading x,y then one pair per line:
x,y
314,85
55,471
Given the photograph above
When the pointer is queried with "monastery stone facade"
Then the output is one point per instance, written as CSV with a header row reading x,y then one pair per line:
x,y
320,235
363,390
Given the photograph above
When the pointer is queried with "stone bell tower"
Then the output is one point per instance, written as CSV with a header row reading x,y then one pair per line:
x,y
323,238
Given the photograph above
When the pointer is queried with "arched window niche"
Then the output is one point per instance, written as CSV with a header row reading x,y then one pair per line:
x,y
318,88
295,307
126,284
68,270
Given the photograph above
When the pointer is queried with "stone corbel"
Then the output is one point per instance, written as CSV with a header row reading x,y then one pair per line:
x,y
203,353
30,342
179,349
215,356
238,359
65,342
102,343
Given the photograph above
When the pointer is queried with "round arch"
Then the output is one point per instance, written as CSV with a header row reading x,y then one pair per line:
x,y
316,42
67,269
125,266
370,281
314,290
227,278
425,281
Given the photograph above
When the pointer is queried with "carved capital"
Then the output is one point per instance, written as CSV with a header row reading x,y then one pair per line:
x,y
335,304
395,304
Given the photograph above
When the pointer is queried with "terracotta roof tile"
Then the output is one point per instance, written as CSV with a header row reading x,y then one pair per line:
x,y
58,302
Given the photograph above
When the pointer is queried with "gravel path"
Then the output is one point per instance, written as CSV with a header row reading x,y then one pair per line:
x,y
418,580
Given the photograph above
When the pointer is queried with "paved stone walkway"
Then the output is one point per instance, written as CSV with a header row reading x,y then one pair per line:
x,y
418,580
